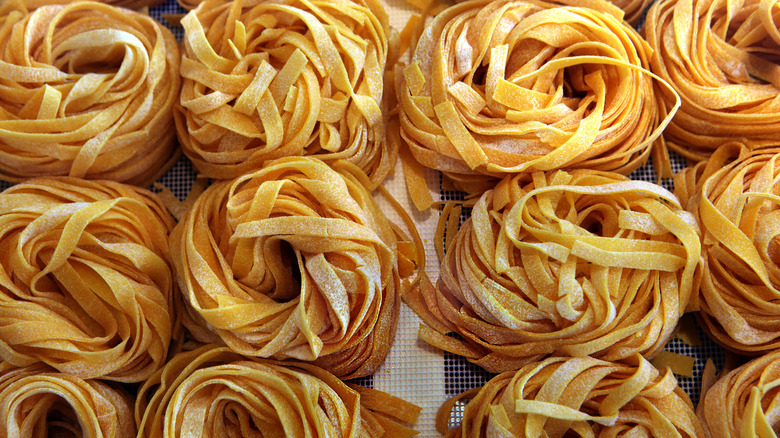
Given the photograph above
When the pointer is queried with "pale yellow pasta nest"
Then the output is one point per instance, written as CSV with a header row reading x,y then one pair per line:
x,y
738,206
501,87
723,58
214,392
269,79
582,397
295,260
86,90
744,402
587,263
86,283
38,402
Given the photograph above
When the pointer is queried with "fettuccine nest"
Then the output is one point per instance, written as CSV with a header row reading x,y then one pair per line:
x,y
502,87
587,263
38,402
295,260
723,58
86,283
577,396
215,392
744,402
86,90
269,79
738,206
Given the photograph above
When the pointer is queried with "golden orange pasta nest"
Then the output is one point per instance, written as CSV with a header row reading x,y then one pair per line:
x,y
583,396
580,263
723,58
736,198
38,402
86,283
269,79
86,90
216,392
296,260
744,402
502,87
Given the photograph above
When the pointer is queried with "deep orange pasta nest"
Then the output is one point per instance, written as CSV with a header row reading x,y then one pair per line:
x,y
86,283
586,263
736,198
38,402
723,58
581,396
216,392
296,260
501,87
86,90
269,79
744,402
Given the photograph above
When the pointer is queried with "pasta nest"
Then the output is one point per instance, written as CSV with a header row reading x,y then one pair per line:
x,y
586,263
269,79
583,396
738,206
38,402
723,59
86,90
502,87
216,392
86,283
295,260
744,402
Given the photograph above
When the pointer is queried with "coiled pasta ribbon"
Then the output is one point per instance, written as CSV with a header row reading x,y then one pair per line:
x,y
586,263
721,57
86,90
744,402
296,260
269,79
736,198
38,402
501,87
577,396
216,392
86,283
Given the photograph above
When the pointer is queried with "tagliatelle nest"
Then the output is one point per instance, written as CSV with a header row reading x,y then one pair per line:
x,y
587,263
745,402
502,87
582,396
738,206
723,58
269,79
37,402
86,283
216,392
296,260
86,90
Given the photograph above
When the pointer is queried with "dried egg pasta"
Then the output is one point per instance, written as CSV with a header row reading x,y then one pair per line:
x,y
580,263
86,282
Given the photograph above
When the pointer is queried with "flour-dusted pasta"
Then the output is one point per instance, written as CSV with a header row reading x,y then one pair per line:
x,y
580,263
86,281
86,90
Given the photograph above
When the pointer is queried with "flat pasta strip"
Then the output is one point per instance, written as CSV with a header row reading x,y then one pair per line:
x,y
557,263
38,402
86,280
213,391
736,197
267,79
722,59
86,90
582,396
296,260
519,86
